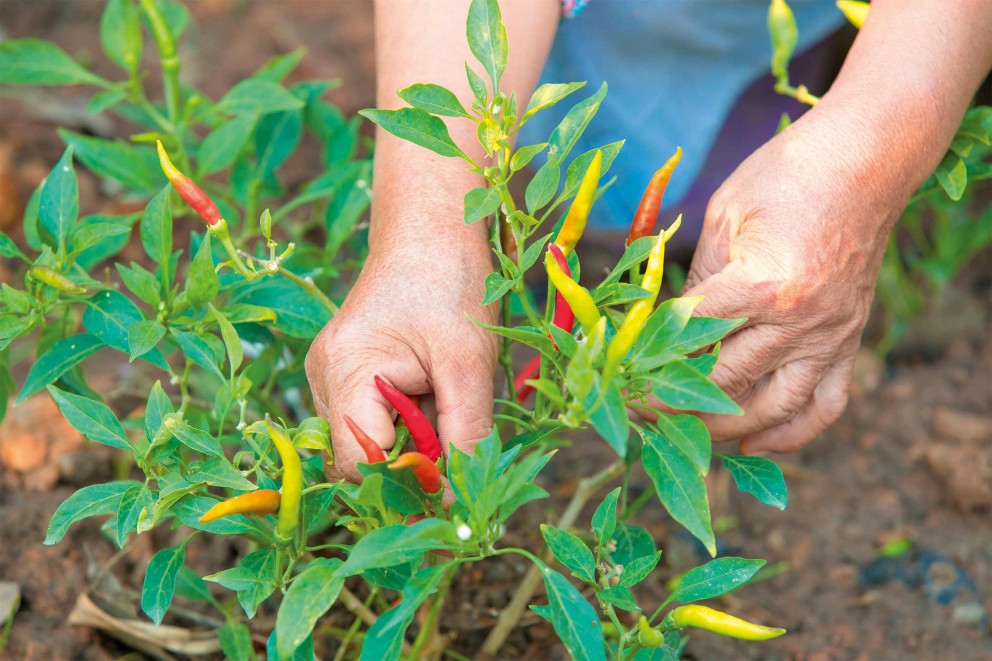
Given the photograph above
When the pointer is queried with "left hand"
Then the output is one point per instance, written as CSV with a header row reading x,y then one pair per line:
x,y
793,241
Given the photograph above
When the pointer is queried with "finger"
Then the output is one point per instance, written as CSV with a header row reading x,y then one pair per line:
x,y
826,405
369,409
776,400
464,408
747,357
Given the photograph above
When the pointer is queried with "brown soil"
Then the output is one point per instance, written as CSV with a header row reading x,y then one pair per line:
x,y
910,458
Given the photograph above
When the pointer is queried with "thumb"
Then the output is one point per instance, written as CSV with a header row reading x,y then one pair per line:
x,y
370,411
464,408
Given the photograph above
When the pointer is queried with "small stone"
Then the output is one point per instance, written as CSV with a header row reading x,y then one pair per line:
x,y
962,426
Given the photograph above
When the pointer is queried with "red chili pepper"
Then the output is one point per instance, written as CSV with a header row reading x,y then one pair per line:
x,y
420,428
189,191
373,452
532,369
647,212
425,470
564,317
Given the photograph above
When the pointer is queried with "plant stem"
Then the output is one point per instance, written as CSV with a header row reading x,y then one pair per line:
x,y
510,615
167,54
800,94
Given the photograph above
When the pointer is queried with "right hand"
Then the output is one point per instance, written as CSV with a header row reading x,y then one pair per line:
x,y
408,320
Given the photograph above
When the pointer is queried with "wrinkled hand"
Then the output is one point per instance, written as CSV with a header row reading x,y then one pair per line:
x,y
793,241
407,320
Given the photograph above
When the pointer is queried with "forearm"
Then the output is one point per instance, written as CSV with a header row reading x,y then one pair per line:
x,y
418,194
906,84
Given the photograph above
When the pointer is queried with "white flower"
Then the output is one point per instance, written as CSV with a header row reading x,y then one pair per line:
x,y
463,532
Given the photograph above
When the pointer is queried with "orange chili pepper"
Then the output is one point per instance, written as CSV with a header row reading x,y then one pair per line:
x,y
263,501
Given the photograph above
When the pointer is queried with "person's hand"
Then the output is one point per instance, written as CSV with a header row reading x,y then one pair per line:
x,y
407,319
793,241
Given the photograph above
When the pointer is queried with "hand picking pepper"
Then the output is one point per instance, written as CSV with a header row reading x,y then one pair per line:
x,y
575,222
709,619
420,428
373,452
530,370
53,278
263,501
643,307
292,483
647,212
575,295
425,470
189,191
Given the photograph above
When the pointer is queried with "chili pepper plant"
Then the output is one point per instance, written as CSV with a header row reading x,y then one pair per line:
x,y
220,321
941,229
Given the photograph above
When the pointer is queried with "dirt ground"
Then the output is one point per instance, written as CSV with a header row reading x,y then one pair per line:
x,y
911,458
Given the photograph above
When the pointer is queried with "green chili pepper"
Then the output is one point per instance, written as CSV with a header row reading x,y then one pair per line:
x,y
53,278
647,636
292,483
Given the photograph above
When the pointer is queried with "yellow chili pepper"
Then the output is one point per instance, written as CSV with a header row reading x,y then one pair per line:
x,y
855,11
633,324
292,483
647,636
574,294
263,501
53,278
575,222
709,619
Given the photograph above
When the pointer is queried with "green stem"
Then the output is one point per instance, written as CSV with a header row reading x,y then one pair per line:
x,y
800,94
167,54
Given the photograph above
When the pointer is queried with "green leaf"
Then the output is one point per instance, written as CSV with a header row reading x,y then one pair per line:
x,y
224,143
702,332
621,597
219,472
570,551
663,330
618,293
571,127
680,487
60,198
548,95
158,406
232,341
639,569
487,38
604,519
91,419
478,87
59,359
952,174
141,282
120,34
156,227
784,35
255,95
576,170
310,595
254,579
133,502
160,581
496,287
277,136
543,186
574,620
9,249
109,317
143,335
202,283
400,490
396,544
609,418
134,166
235,641
760,477
297,312
481,202
418,127
280,66
632,543
523,334
682,387
37,62
193,438
384,639
715,578
434,99
189,585
635,253
524,155
88,501
689,435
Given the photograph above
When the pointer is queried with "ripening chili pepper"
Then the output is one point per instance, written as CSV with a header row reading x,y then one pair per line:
x,y
648,636
263,501
575,221
189,191
53,278
575,295
855,11
647,212
420,428
564,317
639,312
709,619
373,452
425,470
292,483
530,370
